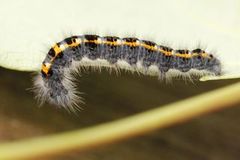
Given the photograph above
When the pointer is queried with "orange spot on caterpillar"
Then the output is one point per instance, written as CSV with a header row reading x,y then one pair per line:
x,y
46,67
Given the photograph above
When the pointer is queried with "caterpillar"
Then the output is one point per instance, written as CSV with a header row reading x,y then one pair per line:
x,y
55,81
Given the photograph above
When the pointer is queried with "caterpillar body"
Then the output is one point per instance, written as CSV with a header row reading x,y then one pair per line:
x,y
55,82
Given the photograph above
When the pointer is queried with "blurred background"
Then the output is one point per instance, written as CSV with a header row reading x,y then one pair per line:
x,y
110,97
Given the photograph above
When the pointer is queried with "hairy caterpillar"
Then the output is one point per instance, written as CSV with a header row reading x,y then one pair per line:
x,y
55,82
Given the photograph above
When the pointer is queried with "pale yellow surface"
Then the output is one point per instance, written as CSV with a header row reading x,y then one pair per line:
x,y
29,28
